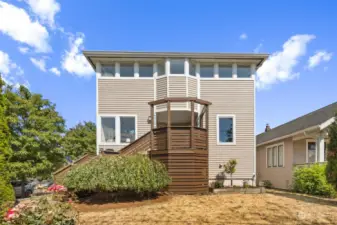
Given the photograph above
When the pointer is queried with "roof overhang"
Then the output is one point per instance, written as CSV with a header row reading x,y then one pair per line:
x,y
306,132
98,56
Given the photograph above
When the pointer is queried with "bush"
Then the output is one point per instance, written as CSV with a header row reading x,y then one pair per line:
x,y
312,180
218,184
42,211
7,197
267,184
118,173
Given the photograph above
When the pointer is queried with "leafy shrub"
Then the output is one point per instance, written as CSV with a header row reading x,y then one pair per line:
x,y
218,184
267,184
7,197
312,180
118,173
42,211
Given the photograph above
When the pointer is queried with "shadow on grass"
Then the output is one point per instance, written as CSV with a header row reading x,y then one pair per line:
x,y
304,197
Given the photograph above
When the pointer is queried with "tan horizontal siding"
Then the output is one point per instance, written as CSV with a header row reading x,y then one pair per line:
x,y
231,97
129,96
177,88
192,87
161,91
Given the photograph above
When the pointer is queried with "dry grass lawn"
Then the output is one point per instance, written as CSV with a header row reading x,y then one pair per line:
x,y
220,209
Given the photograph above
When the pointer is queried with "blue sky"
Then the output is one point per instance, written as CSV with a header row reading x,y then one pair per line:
x,y
300,36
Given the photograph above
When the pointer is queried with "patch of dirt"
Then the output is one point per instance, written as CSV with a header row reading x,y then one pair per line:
x,y
217,209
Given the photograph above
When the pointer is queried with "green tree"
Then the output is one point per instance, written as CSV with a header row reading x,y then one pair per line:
x,y
331,168
36,130
229,168
80,140
6,189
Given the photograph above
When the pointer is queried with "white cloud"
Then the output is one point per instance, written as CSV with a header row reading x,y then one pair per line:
x,y
243,36
10,71
73,61
23,50
45,10
39,63
280,65
55,71
16,23
319,57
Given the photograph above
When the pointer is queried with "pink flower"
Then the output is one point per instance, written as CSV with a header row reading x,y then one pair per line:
x,y
11,214
56,188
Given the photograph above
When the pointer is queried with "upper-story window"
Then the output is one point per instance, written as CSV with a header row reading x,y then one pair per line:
x,y
145,70
161,68
206,70
108,70
243,71
126,70
192,68
225,71
177,66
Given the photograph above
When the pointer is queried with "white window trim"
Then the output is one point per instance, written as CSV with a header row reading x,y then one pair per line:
x,y
117,128
275,145
307,150
218,116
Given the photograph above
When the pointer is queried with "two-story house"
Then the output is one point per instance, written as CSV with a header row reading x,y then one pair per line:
x,y
172,85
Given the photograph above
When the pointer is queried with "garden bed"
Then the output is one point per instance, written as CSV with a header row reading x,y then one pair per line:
x,y
241,190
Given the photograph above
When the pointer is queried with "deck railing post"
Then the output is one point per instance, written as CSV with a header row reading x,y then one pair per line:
x,y
192,125
151,133
168,125
207,124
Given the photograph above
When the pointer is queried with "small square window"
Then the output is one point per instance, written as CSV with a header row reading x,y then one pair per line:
x,y
126,70
206,70
108,70
243,71
226,130
177,66
145,70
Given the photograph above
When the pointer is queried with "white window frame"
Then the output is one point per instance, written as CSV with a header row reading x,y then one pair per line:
x,y
277,147
117,128
218,116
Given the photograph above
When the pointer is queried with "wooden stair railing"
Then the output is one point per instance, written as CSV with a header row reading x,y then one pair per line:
x,y
141,145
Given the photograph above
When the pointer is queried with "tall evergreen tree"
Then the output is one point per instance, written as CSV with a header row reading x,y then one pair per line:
x,y
36,129
331,169
80,140
6,189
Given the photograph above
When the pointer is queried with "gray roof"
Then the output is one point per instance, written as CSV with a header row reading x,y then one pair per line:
x,y
309,120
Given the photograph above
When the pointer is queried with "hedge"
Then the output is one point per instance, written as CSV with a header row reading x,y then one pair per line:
x,y
312,180
7,197
118,173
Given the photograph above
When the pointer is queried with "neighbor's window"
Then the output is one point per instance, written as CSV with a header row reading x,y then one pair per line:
x,y
206,70
108,132
225,71
275,155
226,129
243,71
177,66
108,70
311,152
128,129
126,70
146,70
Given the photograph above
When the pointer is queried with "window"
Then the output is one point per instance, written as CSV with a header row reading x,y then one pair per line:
x,y
108,132
226,129
128,129
177,66
126,70
275,155
118,129
145,70
108,70
243,71
225,71
206,70
161,68
311,147
192,68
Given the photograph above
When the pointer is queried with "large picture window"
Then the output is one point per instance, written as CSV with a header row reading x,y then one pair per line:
x,y
118,129
226,129
275,155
